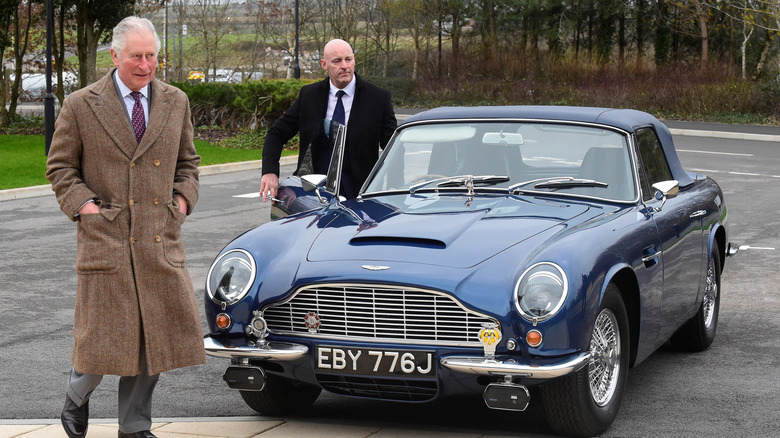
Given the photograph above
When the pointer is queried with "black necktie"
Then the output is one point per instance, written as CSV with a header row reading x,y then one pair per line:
x,y
338,112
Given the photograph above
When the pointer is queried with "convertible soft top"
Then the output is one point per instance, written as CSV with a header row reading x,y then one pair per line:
x,y
625,119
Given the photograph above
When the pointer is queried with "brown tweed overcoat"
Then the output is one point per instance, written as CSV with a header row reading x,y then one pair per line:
x,y
134,290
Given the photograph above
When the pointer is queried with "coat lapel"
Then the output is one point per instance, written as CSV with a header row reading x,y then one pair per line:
x,y
111,115
160,109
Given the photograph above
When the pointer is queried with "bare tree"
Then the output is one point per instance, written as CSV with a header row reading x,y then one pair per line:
x,y
342,17
702,14
382,34
210,22
753,15
413,16
22,22
6,6
94,18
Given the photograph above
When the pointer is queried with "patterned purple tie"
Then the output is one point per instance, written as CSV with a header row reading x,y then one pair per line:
x,y
139,123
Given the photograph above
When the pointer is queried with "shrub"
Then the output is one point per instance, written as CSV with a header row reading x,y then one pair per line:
x,y
238,107
16,124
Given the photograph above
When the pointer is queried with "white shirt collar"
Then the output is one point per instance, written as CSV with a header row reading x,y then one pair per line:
x,y
349,89
125,91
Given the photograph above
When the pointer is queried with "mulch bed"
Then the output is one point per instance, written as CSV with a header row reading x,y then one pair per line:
x,y
213,135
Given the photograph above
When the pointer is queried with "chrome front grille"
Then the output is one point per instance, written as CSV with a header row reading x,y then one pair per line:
x,y
377,313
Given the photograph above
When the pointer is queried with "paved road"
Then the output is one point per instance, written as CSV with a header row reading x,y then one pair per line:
x,y
730,390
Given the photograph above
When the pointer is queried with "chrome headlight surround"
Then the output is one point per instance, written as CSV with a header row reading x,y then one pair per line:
x,y
230,277
541,291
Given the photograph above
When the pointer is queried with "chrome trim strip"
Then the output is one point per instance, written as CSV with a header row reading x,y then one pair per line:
x,y
698,213
478,365
281,351
366,339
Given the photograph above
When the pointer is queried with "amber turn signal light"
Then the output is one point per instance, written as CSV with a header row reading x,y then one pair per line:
x,y
223,321
533,338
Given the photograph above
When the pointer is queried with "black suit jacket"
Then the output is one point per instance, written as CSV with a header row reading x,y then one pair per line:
x,y
371,124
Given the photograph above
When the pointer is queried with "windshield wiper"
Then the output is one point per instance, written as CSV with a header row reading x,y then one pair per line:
x,y
461,180
557,183
568,182
482,179
414,187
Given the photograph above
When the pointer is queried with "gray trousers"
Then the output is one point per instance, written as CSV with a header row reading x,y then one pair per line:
x,y
135,396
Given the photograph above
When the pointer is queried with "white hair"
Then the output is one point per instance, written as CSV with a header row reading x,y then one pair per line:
x,y
129,25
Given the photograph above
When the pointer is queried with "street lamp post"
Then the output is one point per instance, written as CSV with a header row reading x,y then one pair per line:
x,y
48,100
297,64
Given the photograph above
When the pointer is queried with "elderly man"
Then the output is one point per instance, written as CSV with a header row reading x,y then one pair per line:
x,y
344,97
124,168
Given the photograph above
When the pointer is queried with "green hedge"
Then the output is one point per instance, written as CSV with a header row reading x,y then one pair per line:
x,y
401,89
257,104
249,105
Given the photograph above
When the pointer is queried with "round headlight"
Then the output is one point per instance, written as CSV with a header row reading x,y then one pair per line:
x,y
230,277
540,292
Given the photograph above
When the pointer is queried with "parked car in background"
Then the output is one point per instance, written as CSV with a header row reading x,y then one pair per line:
x,y
34,85
518,254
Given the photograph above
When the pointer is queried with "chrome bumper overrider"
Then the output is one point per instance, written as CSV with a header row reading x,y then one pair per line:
x,y
282,351
481,366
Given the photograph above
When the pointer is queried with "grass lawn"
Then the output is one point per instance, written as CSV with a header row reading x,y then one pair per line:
x,y
23,159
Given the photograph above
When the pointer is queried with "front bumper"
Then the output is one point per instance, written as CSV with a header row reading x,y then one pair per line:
x,y
280,351
485,367
477,365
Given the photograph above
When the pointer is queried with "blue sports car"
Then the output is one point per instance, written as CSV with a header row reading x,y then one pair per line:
x,y
491,250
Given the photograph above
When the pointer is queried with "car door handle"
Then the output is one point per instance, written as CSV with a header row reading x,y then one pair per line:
x,y
698,213
651,257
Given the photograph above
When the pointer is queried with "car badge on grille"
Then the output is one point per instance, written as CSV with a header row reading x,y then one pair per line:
x,y
375,267
489,336
312,321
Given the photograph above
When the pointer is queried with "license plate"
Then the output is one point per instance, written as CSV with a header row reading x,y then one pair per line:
x,y
390,363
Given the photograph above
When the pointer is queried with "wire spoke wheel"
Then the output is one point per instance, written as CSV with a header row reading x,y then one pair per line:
x,y
584,403
698,332
604,367
710,294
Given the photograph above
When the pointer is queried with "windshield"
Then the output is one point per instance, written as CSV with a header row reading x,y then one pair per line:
x,y
507,156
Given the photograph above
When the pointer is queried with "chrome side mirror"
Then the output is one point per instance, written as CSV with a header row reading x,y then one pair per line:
x,y
312,183
665,190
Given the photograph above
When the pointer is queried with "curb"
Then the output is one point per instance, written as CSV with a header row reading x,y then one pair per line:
x,y
214,169
725,135
112,421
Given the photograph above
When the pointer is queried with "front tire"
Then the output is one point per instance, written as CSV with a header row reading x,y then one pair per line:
x,y
281,396
585,403
698,333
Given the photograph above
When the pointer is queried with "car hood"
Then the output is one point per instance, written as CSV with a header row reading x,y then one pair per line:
x,y
453,231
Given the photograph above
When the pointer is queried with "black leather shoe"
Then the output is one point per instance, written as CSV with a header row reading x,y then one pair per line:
x,y
141,434
75,419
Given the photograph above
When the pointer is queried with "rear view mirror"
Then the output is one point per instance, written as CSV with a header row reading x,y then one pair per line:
x,y
502,138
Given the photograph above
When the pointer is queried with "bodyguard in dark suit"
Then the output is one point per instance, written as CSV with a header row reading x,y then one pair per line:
x,y
366,110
